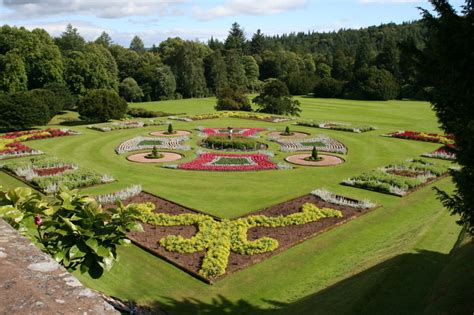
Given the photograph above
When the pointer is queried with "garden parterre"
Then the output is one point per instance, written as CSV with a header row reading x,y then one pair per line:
x,y
120,125
446,152
231,114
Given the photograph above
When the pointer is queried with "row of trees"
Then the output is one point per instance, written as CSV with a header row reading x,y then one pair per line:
x,y
369,63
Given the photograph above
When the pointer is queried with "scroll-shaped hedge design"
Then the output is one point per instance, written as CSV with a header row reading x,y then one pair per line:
x,y
219,238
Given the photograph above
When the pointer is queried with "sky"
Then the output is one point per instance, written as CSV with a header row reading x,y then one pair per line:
x,y
156,20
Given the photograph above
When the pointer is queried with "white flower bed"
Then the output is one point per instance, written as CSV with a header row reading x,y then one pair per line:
x,y
125,125
329,145
123,194
284,166
339,200
180,118
441,155
176,143
9,155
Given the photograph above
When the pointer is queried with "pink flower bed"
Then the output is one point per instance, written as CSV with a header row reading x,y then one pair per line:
x,y
245,132
421,136
223,162
37,134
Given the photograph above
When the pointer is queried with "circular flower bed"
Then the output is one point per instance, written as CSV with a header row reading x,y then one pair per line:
x,y
326,160
229,162
167,157
177,133
294,134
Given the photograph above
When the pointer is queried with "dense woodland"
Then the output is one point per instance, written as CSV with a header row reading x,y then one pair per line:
x,y
370,63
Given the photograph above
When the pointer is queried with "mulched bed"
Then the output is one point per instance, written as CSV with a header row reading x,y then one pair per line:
x,y
287,236
406,173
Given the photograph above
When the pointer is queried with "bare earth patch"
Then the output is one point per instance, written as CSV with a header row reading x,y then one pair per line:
x,y
327,160
178,133
167,157
295,134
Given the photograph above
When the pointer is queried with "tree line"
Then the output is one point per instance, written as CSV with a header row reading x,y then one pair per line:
x,y
369,63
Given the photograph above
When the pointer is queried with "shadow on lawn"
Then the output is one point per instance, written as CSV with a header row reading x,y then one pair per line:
x,y
401,285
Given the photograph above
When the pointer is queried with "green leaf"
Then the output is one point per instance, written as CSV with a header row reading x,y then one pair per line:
x,y
59,256
103,251
75,252
93,244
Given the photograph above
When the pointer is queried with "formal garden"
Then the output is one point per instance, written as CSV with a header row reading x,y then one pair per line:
x,y
229,199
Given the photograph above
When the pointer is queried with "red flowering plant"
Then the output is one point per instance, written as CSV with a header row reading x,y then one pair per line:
x,y
229,162
244,132
422,136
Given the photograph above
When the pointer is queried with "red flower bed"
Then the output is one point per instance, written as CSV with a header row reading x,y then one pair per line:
x,y
37,134
245,132
48,171
421,136
223,162
15,147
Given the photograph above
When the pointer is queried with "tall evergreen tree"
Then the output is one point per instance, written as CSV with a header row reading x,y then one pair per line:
x,y
236,38
137,44
448,66
104,39
216,71
257,44
70,39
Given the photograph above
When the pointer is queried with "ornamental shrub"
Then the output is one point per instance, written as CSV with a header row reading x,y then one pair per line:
x,y
19,111
101,105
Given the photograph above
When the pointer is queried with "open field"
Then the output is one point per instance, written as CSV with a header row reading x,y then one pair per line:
x,y
385,261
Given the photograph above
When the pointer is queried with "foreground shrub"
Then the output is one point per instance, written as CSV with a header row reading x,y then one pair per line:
x,y
232,99
101,105
72,228
19,111
276,99
235,143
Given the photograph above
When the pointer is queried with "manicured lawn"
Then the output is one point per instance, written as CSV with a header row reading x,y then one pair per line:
x,y
384,261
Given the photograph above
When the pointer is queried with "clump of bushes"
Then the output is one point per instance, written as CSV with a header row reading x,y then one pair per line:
x,y
101,105
233,143
140,112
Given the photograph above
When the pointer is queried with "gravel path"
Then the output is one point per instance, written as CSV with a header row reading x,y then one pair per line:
x,y
167,157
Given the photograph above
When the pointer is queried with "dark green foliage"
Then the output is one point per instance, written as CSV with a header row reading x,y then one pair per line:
x,y
216,71
328,88
63,95
447,66
130,90
154,154
314,154
49,98
13,77
236,38
276,99
170,129
235,143
19,111
73,229
287,131
101,105
373,84
232,99
137,45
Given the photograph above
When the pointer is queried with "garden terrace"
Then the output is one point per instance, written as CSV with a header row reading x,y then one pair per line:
x,y
399,179
209,248
47,174
337,126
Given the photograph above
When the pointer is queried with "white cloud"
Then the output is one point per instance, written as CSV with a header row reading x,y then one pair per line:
x,y
153,36
100,8
389,1
249,7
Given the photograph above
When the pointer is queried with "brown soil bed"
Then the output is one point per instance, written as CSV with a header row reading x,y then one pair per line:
x,y
406,173
164,133
327,160
287,236
294,134
167,157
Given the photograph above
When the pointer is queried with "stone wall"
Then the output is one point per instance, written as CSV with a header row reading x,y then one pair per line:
x,y
33,283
